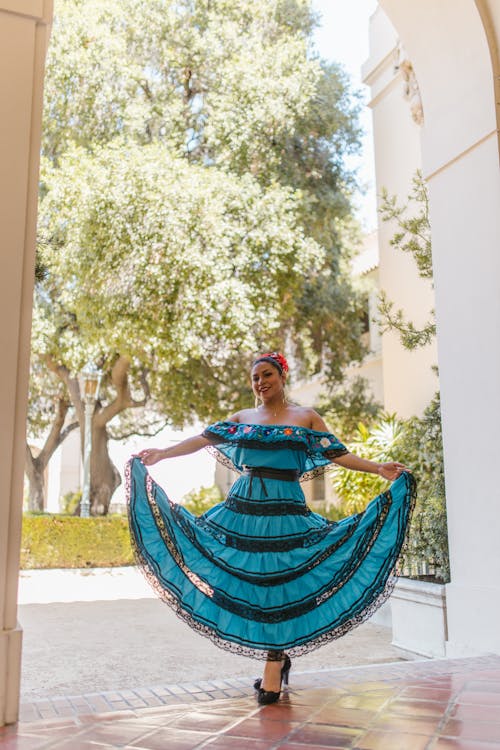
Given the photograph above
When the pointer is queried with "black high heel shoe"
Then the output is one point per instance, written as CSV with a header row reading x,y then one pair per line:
x,y
265,697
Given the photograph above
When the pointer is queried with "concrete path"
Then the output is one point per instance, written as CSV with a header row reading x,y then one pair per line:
x,y
102,630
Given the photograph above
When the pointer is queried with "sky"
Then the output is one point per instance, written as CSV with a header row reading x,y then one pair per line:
x,y
343,37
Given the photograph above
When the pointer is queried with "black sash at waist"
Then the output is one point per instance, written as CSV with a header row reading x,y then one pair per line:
x,y
264,472
286,475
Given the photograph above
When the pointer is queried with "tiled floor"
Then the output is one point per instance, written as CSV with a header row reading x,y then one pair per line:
x,y
433,705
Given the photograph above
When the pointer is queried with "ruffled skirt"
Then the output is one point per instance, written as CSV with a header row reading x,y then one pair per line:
x,y
261,571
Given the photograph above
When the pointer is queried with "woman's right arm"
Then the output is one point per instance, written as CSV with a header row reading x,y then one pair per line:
x,y
150,456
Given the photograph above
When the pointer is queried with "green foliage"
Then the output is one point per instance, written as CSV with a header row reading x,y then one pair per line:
x,y
332,512
201,500
173,262
59,541
416,442
412,236
344,409
70,502
380,443
195,207
422,448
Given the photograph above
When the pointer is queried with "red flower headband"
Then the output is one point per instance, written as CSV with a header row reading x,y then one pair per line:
x,y
278,358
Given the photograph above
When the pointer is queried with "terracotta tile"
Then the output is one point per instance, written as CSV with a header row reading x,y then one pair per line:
x,y
314,697
469,711
490,686
52,734
472,730
415,707
22,743
288,712
441,695
343,717
411,724
294,746
119,732
242,743
203,722
261,729
327,736
480,697
392,741
232,709
363,702
109,716
77,744
46,724
173,739
451,743
373,686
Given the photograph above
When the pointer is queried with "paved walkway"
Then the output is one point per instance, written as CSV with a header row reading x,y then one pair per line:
x,y
431,705
88,631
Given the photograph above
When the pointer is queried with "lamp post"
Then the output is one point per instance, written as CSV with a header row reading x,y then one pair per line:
x,y
91,376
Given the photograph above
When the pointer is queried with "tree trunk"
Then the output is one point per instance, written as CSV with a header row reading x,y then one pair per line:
x,y
35,474
104,476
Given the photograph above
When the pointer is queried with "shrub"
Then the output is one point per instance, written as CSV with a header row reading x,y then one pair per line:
x,y
379,443
426,554
332,512
70,502
63,541
201,500
417,442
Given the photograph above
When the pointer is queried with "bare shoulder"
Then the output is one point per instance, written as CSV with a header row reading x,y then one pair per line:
x,y
245,416
306,417
316,421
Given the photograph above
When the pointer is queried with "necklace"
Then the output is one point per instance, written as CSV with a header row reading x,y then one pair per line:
x,y
279,409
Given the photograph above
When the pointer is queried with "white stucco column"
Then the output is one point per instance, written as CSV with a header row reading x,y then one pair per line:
x,y
448,46
24,28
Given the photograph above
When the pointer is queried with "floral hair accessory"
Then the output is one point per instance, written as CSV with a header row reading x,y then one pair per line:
x,y
278,358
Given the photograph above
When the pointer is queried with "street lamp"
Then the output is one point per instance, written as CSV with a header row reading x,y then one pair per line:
x,y
91,376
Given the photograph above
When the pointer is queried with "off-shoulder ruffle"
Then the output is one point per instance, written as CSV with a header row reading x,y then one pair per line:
x,y
319,448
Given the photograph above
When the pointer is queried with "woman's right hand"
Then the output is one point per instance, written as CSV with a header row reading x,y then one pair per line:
x,y
150,456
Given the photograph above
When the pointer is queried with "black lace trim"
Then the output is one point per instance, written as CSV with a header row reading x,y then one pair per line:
x,y
263,544
302,645
222,459
266,508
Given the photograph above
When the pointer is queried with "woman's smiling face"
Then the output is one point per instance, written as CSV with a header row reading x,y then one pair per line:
x,y
267,383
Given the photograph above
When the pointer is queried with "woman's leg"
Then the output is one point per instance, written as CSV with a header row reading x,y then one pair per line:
x,y
271,679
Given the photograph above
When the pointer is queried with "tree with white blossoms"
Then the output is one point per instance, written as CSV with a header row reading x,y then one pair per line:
x,y
194,207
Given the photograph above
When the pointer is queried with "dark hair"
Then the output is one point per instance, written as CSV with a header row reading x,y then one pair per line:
x,y
275,359
271,361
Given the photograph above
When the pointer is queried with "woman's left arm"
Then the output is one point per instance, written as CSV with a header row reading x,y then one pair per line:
x,y
389,470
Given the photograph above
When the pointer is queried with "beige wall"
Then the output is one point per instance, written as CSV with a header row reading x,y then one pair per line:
x,y
408,380
23,39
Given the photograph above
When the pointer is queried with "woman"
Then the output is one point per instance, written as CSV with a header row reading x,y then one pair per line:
x,y
260,574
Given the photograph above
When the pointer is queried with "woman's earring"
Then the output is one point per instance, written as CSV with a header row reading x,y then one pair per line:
x,y
257,402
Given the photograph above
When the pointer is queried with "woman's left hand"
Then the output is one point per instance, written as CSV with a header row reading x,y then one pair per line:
x,y
391,470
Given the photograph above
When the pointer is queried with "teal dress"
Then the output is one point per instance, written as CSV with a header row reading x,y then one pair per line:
x,y
260,571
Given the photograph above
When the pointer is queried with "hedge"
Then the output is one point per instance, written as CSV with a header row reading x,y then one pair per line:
x,y
63,541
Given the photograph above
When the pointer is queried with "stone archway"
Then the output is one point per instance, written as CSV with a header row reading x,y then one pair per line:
x,y
453,46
